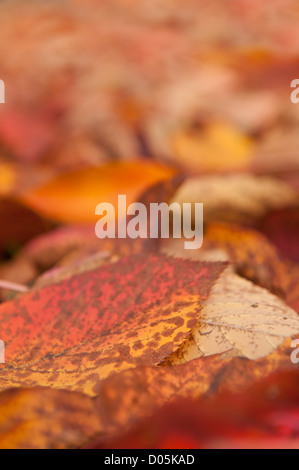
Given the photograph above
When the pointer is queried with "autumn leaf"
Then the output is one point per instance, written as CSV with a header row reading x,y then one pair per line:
x,y
57,255
15,276
49,249
40,418
136,311
240,319
255,419
124,398
73,265
251,253
256,258
7,178
73,197
18,225
252,256
236,198
69,250
217,147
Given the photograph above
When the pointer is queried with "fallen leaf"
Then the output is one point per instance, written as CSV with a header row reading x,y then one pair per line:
x,y
135,311
18,225
73,265
40,418
251,253
73,197
238,319
124,398
264,416
18,270
256,258
236,198
49,249
68,246
47,418
217,147
7,178
252,256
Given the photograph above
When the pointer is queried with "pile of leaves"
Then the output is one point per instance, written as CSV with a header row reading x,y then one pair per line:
x,y
124,343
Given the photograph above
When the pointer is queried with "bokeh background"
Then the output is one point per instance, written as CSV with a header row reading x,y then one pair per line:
x,y
205,85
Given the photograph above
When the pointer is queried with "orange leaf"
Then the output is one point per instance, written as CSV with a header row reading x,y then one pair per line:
x,y
73,197
47,418
42,418
135,393
257,418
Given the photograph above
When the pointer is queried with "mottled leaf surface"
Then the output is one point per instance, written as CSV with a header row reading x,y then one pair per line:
x,y
72,334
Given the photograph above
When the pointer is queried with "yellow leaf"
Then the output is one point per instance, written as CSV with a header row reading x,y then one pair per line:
x,y
239,319
218,147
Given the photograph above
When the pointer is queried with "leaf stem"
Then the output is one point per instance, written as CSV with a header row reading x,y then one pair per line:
x,y
13,286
